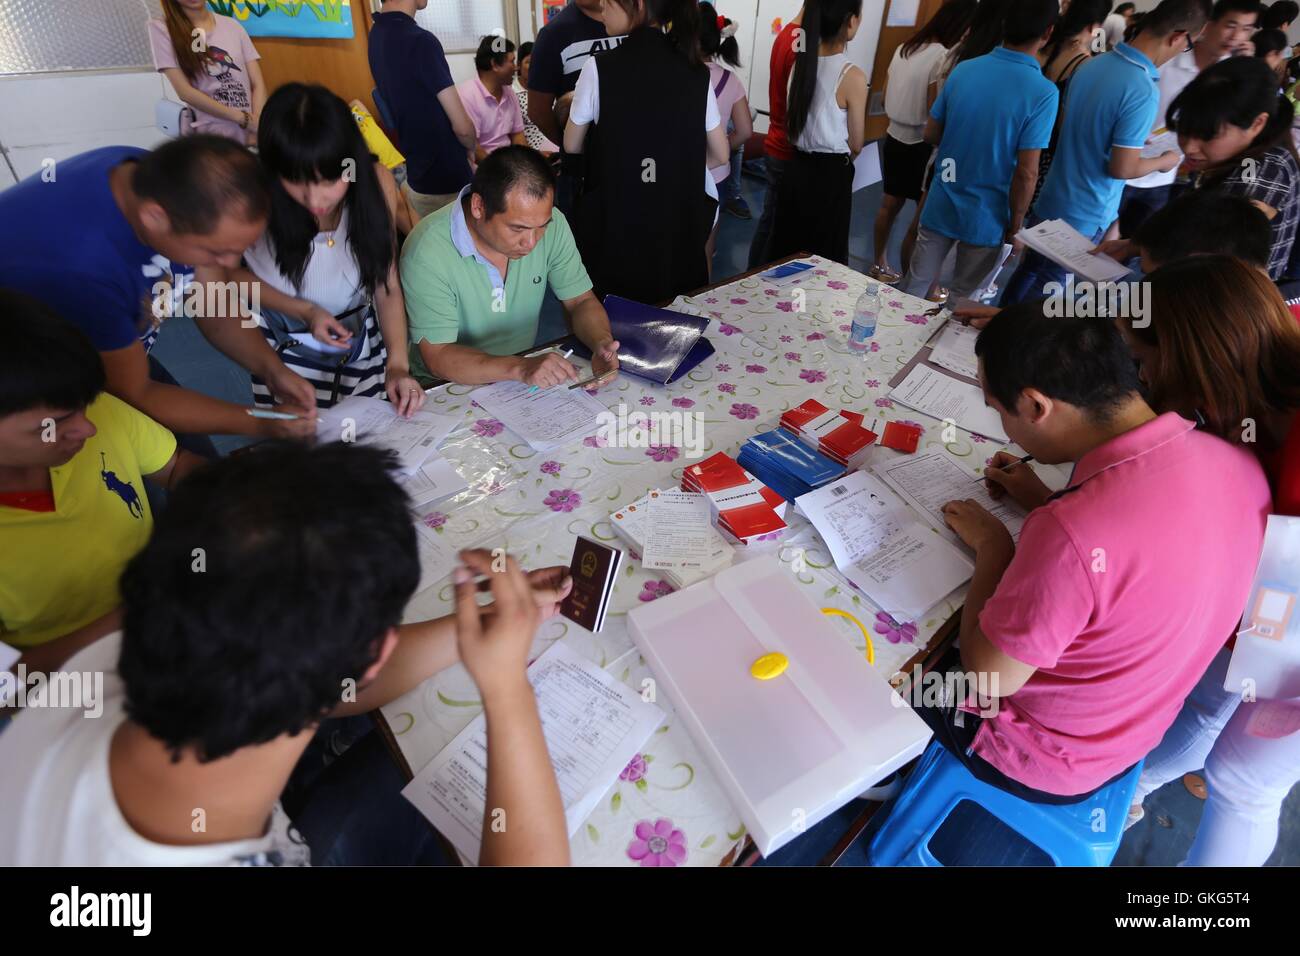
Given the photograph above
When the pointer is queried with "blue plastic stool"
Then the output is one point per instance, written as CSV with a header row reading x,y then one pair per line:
x,y
945,816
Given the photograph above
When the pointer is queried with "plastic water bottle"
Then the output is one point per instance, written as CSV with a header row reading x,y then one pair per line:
x,y
864,319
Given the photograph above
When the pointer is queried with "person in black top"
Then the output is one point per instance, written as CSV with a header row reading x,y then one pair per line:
x,y
646,118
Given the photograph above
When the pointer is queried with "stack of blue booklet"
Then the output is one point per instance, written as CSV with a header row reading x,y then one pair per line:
x,y
787,465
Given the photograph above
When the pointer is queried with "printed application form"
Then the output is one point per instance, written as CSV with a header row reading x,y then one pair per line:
x,y
593,724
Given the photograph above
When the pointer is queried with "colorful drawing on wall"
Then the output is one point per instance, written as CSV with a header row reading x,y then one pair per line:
x,y
311,19
550,8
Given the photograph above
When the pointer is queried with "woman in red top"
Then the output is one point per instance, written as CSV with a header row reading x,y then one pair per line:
x,y
1220,345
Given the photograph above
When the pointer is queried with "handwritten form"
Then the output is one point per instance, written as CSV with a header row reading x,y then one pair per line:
x,y
901,565
929,480
943,397
955,349
372,421
547,418
593,725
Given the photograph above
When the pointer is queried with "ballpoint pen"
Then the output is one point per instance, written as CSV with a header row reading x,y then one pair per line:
x,y
1008,466
272,416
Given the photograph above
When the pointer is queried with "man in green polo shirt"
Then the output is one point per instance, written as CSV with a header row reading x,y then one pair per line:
x,y
474,274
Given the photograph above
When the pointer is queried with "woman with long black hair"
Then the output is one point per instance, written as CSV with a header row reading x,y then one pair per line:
x,y
647,121
826,117
326,268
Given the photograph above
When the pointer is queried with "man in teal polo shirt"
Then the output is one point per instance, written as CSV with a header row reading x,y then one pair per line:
x,y
474,274
991,120
1110,111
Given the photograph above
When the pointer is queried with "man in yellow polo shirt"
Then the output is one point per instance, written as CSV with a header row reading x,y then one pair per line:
x,y
73,508
474,274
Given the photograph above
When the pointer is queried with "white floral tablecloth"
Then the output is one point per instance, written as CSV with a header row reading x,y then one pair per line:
x,y
666,809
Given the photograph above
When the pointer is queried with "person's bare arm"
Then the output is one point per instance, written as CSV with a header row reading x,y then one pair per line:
x,y
523,818
994,550
933,131
931,94
461,124
1023,181
541,111
390,308
177,468
188,412
742,124
257,85
591,324
518,139
429,647
575,135
854,89
469,366
719,153
241,341
1127,163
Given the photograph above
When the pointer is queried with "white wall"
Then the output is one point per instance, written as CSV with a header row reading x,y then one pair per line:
x,y
57,115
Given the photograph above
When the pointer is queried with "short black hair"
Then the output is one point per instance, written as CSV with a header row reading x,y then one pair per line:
x,y
1279,14
198,179
270,579
1270,40
1233,91
1124,8
509,168
45,361
492,52
1204,222
1223,7
1027,20
1082,362
1175,16
525,48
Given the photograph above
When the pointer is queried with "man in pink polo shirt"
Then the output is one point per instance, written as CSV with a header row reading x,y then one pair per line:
x,y
1123,586
490,98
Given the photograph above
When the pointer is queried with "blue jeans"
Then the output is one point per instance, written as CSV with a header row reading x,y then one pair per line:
x,y
352,812
1035,271
731,185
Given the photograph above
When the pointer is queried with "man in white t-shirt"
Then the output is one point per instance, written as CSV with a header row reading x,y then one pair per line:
x,y
268,599
1115,24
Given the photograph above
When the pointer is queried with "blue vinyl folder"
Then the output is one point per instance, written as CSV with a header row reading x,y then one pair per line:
x,y
653,343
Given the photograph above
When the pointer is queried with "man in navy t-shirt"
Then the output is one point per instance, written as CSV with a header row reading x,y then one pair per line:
x,y
95,237
433,130
572,37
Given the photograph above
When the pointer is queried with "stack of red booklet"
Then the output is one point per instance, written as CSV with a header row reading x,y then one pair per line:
x,y
744,508
840,434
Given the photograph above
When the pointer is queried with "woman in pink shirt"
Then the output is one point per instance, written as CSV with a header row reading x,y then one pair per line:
x,y
221,80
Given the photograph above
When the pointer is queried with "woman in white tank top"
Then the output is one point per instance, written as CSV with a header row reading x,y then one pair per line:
x,y
332,316
826,120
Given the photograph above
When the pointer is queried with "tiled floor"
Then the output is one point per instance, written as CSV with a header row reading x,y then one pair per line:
x,y
1161,839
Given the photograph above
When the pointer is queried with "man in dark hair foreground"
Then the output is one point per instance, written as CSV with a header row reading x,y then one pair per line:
x,y
270,598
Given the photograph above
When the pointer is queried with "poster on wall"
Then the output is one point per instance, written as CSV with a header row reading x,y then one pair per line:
x,y
308,19
550,8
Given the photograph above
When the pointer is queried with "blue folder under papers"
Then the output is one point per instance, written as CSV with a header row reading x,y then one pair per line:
x,y
653,343
786,465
